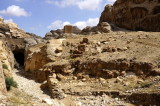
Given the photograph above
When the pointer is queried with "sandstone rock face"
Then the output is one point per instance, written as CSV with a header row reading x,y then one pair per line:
x,y
55,72
2,81
35,58
55,89
39,55
6,64
11,30
113,69
133,14
6,58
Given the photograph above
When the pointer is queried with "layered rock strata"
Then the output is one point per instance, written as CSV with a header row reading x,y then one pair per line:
x,y
133,14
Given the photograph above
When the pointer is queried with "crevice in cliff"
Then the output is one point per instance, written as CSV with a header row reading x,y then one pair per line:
x,y
19,57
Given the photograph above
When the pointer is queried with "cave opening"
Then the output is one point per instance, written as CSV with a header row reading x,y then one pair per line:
x,y
19,57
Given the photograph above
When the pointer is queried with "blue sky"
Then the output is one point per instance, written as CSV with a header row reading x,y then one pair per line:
x,y
41,16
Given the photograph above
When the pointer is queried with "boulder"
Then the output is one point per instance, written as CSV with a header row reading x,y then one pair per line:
x,y
48,34
36,57
54,34
104,27
85,40
89,30
55,89
30,41
39,55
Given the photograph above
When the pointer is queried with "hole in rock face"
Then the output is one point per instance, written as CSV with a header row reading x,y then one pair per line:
x,y
156,10
19,57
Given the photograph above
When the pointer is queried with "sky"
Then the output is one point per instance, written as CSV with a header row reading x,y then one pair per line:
x,y
41,16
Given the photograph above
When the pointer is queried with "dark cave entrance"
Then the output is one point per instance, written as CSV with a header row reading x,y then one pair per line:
x,y
19,57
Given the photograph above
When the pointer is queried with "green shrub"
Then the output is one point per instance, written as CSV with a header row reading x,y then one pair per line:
x,y
5,66
10,83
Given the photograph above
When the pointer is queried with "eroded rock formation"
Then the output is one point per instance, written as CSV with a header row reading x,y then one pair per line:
x,y
39,55
2,81
11,30
6,58
133,14
6,64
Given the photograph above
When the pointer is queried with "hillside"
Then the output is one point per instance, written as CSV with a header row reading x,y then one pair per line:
x,y
113,63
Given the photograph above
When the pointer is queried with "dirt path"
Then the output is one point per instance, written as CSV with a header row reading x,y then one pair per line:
x,y
32,88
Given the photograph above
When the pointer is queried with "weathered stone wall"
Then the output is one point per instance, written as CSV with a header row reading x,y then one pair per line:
x,y
68,29
133,14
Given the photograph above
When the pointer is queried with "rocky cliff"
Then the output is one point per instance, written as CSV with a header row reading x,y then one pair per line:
x,y
80,58
2,81
133,14
11,30
6,58
6,64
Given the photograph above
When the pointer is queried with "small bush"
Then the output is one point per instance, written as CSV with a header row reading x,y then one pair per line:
x,y
5,66
10,83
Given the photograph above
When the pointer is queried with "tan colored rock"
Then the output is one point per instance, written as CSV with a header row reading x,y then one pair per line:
x,y
6,58
1,19
68,29
123,73
11,30
55,89
79,75
140,81
69,71
60,77
133,14
39,55
89,30
104,27
81,47
76,53
109,49
2,81
58,50
16,31
85,40
6,64
35,58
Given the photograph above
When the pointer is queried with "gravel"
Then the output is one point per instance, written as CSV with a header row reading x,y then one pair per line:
x,y
33,89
